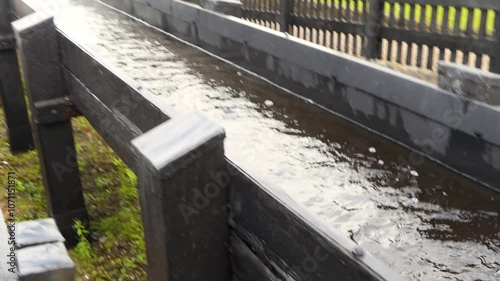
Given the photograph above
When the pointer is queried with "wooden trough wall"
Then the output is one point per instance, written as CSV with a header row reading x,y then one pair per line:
x,y
263,235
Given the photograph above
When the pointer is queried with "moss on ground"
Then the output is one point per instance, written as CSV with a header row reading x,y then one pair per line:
x,y
117,251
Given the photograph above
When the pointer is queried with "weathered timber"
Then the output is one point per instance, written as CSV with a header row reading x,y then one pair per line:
x,y
36,37
292,240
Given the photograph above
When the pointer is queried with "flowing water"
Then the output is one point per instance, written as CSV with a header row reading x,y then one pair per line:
x,y
427,223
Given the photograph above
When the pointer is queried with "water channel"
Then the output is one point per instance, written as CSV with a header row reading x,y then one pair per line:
x,y
426,223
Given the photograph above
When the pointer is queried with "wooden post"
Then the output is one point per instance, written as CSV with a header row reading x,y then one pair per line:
x,y
11,90
285,13
37,40
5,17
495,59
184,200
372,29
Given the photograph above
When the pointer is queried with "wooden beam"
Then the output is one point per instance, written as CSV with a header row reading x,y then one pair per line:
x,y
36,37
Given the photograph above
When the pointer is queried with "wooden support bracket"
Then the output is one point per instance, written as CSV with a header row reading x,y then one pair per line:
x,y
54,111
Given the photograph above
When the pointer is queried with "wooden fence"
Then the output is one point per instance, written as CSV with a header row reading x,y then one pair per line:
x,y
204,217
411,32
11,92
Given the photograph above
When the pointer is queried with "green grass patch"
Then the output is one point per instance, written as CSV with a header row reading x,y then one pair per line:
x,y
116,250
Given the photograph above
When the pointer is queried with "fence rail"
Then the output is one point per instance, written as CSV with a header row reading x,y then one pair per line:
x,y
410,32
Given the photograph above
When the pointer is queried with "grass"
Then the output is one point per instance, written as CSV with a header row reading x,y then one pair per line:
x,y
117,251
490,18
30,201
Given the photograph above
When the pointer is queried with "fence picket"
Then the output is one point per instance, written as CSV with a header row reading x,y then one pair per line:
x,y
411,26
401,24
482,28
341,10
364,20
494,65
456,31
433,18
304,14
444,30
318,15
341,17
332,17
456,25
348,10
453,57
355,19
469,32
274,11
430,58
482,34
391,23
284,15
309,33
422,28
